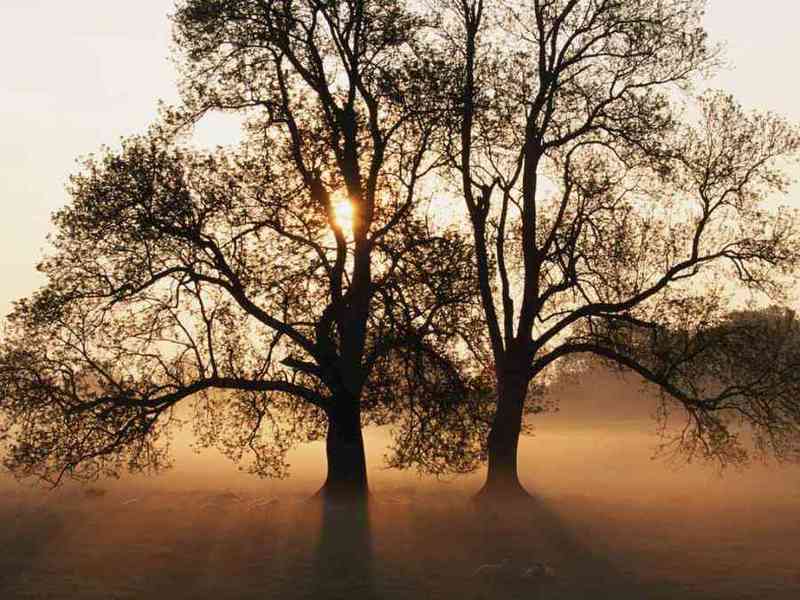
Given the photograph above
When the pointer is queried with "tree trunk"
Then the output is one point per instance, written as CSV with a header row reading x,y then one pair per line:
x,y
502,479
347,465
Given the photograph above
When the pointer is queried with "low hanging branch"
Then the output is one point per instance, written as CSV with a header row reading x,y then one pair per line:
x,y
220,288
599,189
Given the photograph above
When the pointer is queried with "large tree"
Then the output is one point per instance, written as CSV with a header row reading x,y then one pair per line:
x,y
604,198
286,289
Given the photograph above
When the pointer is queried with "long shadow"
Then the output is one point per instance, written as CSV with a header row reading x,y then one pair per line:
x,y
447,547
26,533
416,546
531,536
342,568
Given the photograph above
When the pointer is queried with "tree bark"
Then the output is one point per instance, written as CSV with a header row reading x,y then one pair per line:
x,y
347,465
502,479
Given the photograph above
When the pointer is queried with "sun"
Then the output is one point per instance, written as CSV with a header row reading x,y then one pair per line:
x,y
343,212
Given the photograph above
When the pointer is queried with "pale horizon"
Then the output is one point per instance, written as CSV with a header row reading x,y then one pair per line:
x,y
79,76
297,398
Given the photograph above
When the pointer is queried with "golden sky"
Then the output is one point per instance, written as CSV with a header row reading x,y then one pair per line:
x,y
76,75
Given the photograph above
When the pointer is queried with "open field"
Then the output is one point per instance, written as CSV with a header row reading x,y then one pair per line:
x,y
175,544
607,522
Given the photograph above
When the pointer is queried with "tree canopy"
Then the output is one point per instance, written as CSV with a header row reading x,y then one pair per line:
x,y
605,193
299,285
268,283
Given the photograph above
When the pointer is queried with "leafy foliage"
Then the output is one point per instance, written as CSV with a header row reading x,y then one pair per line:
x,y
604,194
224,279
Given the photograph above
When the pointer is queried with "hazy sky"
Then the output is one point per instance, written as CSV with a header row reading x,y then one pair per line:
x,y
79,74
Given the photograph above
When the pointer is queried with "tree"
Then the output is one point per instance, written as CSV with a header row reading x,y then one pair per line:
x,y
736,377
291,288
602,198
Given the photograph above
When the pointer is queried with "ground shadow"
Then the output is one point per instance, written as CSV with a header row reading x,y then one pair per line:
x,y
448,547
27,529
342,568
404,545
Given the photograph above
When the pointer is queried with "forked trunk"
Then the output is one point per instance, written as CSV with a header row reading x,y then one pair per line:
x,y
347,465
502,479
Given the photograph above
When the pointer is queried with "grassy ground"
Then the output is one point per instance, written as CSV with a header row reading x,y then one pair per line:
x,y
172,544
608,523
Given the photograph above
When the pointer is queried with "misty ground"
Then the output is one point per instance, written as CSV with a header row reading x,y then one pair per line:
x,y
607,522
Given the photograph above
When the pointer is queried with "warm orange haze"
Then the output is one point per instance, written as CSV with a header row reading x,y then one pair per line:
x,y
609,520
457,299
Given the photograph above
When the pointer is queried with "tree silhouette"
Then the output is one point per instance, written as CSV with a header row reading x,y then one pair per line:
x,y
232,279
297,287
604,199
734,378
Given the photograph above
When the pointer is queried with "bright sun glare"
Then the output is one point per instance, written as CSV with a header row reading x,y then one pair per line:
x,y
343,212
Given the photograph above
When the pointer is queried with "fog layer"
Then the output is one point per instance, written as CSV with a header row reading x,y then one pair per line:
x,y
608,521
